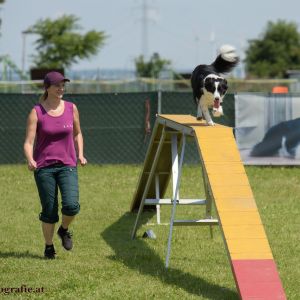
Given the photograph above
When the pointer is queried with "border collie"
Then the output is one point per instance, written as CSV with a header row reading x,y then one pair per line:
x,y
209,87
282,139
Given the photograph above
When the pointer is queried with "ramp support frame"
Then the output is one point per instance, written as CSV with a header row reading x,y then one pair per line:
x,y
177,163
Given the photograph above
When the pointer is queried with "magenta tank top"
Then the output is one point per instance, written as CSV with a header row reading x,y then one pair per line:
x,y
54,138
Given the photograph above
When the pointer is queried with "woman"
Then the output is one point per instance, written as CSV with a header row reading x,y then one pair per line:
x,y
53,131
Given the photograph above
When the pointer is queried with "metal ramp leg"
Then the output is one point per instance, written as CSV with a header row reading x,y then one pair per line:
x,y
157,195
176,176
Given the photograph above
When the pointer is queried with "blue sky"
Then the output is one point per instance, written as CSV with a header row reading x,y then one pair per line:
x,y
185,31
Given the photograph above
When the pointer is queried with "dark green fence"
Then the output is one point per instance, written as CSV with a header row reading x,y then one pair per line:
x,y
113,125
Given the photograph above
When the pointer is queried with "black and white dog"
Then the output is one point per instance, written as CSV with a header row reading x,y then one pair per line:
x,y
209,87
282,139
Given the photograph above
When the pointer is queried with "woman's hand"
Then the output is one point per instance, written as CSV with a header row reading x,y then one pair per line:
x,y
32,165
82,160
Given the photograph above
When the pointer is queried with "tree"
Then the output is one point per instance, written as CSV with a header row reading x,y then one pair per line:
x,y
277,50
60,45
152,68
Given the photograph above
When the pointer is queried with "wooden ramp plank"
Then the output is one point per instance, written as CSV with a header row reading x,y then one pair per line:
x,y
224,168
246,245
243,232
258,279
231,179
164,165
240,218
235,204
240,231
184,119
243,191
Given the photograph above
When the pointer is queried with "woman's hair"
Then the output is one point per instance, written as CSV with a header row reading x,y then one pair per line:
x,y
45,95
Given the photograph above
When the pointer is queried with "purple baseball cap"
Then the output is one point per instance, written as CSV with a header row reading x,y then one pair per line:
x,y
54,78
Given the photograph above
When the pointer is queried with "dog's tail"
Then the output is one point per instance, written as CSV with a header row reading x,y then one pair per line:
x,y
270,145
264,149
226,60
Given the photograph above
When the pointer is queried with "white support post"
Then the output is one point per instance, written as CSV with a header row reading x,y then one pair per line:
x,y
176,175
157,197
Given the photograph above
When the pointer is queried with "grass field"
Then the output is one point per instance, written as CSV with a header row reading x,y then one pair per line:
x,y
106,264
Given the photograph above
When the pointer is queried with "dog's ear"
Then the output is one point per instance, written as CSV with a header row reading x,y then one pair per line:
x,y
224,84
201,80
208,81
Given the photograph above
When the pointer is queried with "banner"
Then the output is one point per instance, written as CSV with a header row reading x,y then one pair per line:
x,y
267,128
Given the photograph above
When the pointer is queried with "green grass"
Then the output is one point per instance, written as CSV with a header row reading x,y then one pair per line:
x,y
106,264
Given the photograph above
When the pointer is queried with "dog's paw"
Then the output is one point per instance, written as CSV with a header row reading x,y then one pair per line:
x,y
210,123
199,118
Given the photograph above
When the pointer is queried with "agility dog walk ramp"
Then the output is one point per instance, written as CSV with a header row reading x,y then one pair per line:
x,y
226,185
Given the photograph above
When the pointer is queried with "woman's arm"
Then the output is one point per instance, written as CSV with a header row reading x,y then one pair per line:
x,y
29,139
78,137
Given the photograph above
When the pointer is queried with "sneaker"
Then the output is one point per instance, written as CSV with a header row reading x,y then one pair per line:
x,y
49,252
66,238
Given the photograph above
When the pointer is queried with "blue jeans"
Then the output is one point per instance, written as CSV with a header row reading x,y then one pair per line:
x,y
48,181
